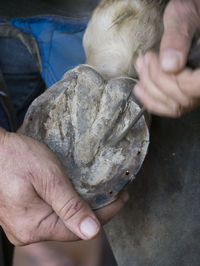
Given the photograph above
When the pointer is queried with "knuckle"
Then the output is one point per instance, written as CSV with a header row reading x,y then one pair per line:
x,y
20,233
24,237
71,208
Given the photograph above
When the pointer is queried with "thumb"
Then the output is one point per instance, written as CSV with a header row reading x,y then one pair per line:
x,y
180,23
74,212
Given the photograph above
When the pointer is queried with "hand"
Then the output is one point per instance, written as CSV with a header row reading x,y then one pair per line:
x,y
166,87
37,201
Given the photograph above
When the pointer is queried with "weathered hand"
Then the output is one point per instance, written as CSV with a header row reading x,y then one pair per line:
x,y
37,201
165,87
167,94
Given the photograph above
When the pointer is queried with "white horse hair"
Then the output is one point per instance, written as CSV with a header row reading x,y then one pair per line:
x,y
121,30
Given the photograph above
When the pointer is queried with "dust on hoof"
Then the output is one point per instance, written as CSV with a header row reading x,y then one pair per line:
x,y
78,118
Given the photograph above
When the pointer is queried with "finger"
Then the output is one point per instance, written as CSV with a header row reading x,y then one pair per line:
x,y
68,205
150,89
156,107
189,82
107,213
39,223
180,23
166,82
52,228
49,226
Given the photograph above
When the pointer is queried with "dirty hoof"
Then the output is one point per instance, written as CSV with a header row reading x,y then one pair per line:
x,y
81,119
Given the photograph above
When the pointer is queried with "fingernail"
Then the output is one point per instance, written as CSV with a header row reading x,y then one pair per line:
x,y
171,60
138,65
89,227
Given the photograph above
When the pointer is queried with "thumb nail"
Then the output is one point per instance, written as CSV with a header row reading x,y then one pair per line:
x,y
171,60
89,227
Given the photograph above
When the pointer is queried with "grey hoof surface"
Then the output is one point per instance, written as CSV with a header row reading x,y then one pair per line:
x,y
79,118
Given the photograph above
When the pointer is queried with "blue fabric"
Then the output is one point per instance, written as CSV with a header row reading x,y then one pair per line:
x,y
21,75
60,43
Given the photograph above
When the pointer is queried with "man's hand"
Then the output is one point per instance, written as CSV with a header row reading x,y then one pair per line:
x,y
165,87
37,201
